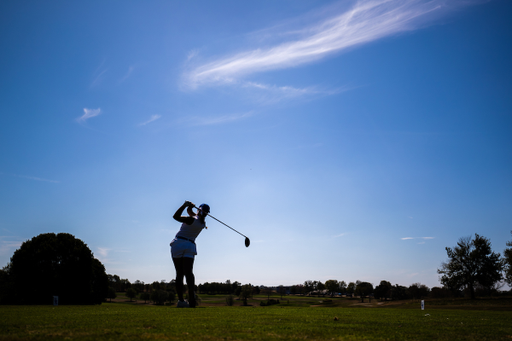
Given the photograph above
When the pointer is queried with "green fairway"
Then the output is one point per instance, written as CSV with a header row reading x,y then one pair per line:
x,y
126,322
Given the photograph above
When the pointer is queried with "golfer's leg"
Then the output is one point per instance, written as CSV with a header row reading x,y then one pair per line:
x,y
178,265
188,266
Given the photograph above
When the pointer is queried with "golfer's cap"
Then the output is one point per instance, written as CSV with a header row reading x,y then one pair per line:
x,y
204,208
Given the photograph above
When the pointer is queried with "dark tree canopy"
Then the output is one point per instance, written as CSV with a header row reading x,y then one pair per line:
x,y
57,265
507,258
383,290
363,289
471,263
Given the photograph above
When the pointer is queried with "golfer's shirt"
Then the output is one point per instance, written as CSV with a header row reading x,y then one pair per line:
x,y
191,231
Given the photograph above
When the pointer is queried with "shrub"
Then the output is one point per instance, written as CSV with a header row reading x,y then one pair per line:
x,y
131,293
230,300
269,302
63,266
159,296
145,296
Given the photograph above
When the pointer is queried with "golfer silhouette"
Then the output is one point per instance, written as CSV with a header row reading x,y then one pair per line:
x,y
183,249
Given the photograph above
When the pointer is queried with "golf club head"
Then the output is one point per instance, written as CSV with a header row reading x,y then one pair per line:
x,y
247,242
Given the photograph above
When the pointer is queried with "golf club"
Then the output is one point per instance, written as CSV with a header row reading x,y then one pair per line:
x,y
247,241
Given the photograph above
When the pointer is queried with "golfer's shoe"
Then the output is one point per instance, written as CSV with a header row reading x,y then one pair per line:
x,y
182,304
192,304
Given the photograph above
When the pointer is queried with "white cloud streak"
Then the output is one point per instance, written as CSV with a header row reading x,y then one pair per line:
x,y
424,238
207,121
152,119
30,177
8,245
128,74
366,21
88,113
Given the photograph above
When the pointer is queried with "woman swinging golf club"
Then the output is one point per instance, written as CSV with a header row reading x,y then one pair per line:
x,y
183,249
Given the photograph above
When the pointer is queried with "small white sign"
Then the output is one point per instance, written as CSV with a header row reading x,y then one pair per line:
x,y
422,305
55,300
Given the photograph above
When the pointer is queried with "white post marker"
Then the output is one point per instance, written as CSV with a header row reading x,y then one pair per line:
x,y
55,300
422,305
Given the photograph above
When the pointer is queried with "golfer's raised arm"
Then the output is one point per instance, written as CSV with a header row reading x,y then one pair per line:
x,y
183,219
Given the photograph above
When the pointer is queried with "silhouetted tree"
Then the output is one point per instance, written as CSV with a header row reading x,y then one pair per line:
x,y
364,289
332,286
246,293
145,296
266,291
281,290
159,296
6,286
418,290
342,286
319,285
471,262
63,265
351,288
308,286
131,293
111,293
399,292
138,285
507,259
383,290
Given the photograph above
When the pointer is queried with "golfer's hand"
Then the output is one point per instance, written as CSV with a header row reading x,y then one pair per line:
x,y
189,204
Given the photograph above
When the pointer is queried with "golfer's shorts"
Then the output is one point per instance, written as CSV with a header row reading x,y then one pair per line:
x,y
183,248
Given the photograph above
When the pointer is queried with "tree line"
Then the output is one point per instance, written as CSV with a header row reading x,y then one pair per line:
x,y
61,265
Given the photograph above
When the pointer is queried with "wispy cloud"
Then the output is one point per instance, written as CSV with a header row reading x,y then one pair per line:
x,y
30,177
410,238
207,121
88,113
8,244
99,74
339,235
152,119
366,21
127,75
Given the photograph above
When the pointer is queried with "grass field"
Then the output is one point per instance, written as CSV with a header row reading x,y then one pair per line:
x,y
123,321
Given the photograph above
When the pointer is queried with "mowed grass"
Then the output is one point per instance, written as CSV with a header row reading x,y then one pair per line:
x,y
118,321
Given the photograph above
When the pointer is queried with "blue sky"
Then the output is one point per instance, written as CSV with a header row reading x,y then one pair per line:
x,y
350,140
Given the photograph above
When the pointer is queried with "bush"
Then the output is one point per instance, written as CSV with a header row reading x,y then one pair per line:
x,y
230,300
111,293
269,302
159,296
62,265
131,293
145,296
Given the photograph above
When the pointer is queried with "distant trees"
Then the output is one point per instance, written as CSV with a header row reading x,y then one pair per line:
x,y
383,290
507,262
363,289
246,292
418,291
159,296
131,293
111,293
145,296
215,288
62,265
471,263
281,290
351,288
308,286
119,284
332,286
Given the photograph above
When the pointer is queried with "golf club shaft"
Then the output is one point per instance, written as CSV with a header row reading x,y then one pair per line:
x,y
225,224
222,222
